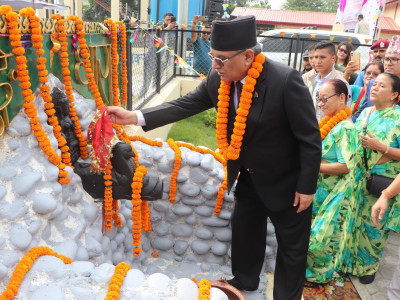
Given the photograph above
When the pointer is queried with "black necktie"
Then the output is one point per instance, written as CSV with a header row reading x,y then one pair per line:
x,y
239,86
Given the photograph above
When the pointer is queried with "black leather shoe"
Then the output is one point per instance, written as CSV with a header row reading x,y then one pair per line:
x,y
237,284
367,279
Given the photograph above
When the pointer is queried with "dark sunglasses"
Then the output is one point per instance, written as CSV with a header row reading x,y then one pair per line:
x,y
206,32
220,62
324,99
343,50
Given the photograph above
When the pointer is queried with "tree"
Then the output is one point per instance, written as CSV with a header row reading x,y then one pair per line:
x,y
312,5
246,3
96,13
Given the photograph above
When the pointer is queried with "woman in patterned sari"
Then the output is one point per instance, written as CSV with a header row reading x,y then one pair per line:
x,y
337,193
382,143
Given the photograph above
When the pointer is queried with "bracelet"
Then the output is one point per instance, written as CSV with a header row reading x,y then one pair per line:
x,y
387,194
387,149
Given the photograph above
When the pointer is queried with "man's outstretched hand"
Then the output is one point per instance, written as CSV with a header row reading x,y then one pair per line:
x,y
121,116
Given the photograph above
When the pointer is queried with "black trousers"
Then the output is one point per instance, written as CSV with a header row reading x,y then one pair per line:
x,y
249,230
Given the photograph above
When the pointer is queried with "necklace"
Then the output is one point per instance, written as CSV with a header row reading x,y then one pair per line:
x,y
231,151
327,123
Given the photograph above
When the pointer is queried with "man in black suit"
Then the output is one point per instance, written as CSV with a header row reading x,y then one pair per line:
x,y
279,157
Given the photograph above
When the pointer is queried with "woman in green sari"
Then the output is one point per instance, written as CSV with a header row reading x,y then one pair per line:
x,y
336,200
382,143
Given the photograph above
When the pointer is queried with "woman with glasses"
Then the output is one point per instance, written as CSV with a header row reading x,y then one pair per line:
x,y
372,70
382,143
343,54
336,200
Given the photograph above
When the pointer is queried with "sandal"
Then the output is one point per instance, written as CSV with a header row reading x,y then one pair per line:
x,y
310,285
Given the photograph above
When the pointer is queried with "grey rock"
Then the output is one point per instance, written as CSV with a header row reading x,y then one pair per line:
x,y
153,269
166,184
103,273
51,173
221,174
229,197
182,210
82,268
145,162
192,201
170,155
225,214
207,162
81,293
214,222
2,242
133,279
34,227
165,168
21,125
26,182
93,247
75,197
205,267
14,210
182,230
214,259
200,247
171,217
181,178
9,258
161,229
219,248
162,243
155,217
189,189
191,220
270,228
204,211
194,159
209,191
3,271
7,173
204,233
90,212
161,206
223,234
158,155
52,292
191,258
198,175
105,244
271,241
12,132
269,251
180,247
68,248
19,236
43,203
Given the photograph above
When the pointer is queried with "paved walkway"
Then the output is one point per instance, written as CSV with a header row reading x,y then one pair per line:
x,y
378,289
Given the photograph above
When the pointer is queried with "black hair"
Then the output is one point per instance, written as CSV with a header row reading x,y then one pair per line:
x,y
375,63
361,16
168,14
339,86
395,83
349,48
312,47
326,45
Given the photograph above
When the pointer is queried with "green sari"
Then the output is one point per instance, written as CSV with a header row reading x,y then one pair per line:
x,y
335,206
385,126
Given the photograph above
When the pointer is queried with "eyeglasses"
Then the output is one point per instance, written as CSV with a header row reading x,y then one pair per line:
x,y
324,99
343,50
392,60
221,62
373,74
206,32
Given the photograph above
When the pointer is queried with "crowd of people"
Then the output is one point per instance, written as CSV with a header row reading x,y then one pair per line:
x,y
310,178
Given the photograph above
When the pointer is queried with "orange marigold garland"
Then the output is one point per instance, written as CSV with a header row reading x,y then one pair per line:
x,y
177,165
108,198
232,151
23,77
221,195
84,52
204,289
24,265
137,185
114,61
64,60
114,287
124,70
327,123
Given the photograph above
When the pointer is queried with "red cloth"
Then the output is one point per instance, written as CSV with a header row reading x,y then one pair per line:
x,y
100,138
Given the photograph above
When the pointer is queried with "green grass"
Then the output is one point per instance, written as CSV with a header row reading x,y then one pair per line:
x,y
198,130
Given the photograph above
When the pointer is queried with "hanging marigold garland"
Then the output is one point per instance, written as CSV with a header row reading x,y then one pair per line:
x,y
177,165
204,289
24,265
327,123
64,60
23,77
221,195
232,151
124,70
137,185
114,61
114,287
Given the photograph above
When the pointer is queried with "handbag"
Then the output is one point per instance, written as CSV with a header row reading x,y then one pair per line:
x,y
375,183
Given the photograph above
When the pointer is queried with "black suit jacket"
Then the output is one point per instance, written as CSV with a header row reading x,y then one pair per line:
x,y
282,143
